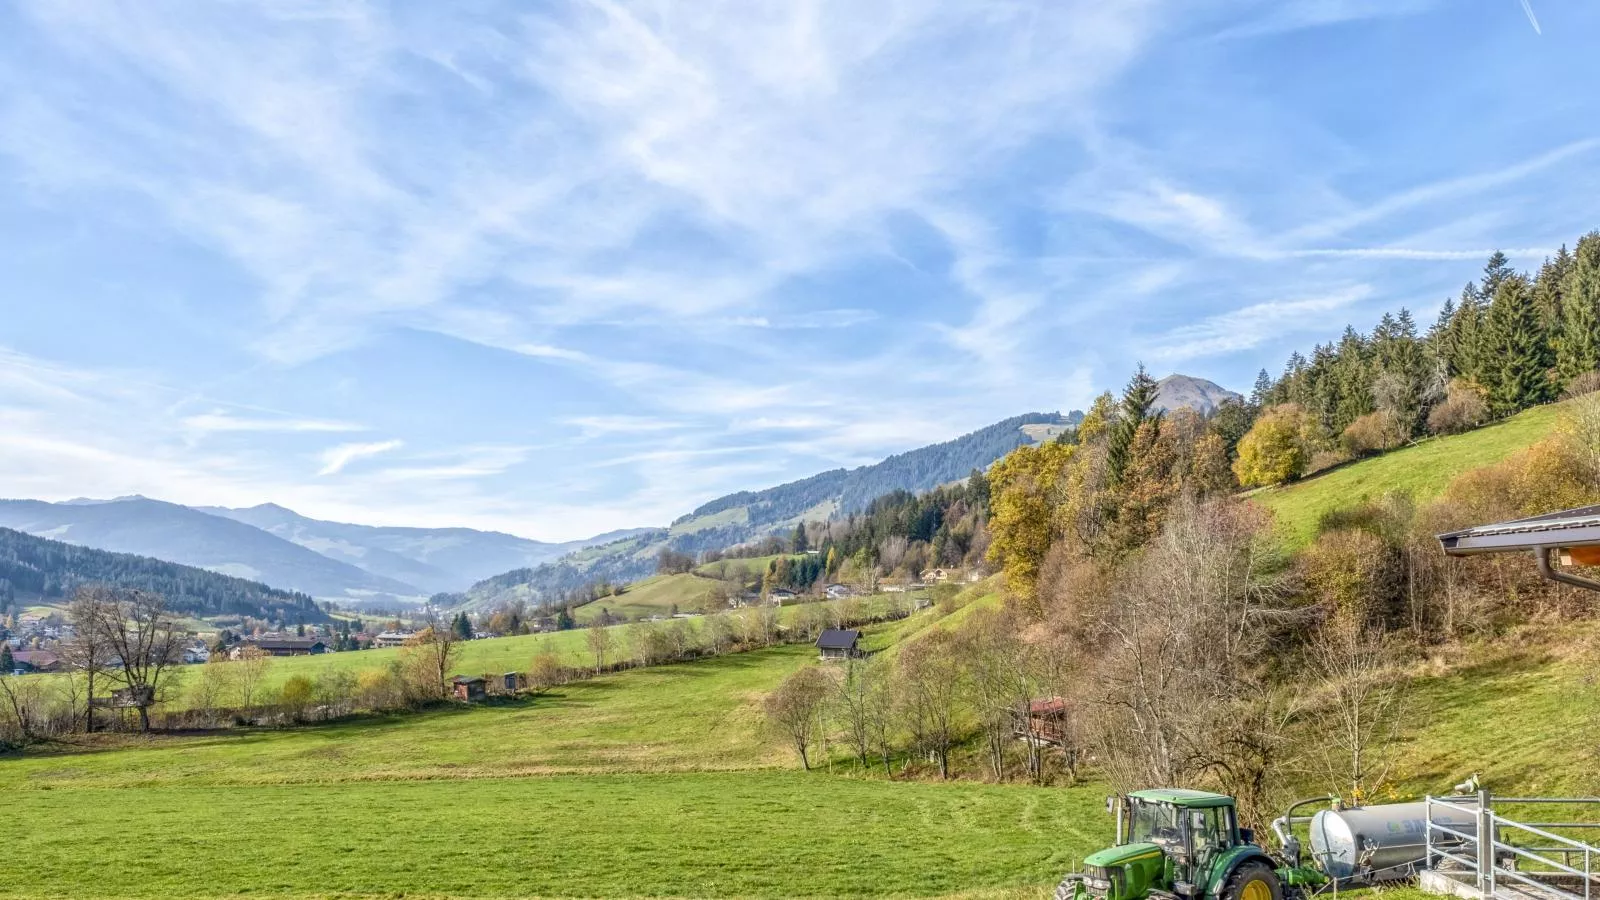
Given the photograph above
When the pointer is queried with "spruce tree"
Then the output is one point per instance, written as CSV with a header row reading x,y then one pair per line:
x,y
1353,375
1516,378
8,663
1321,385
1548,287
1495,272
1262,390
1137,400
1464,337
1578,349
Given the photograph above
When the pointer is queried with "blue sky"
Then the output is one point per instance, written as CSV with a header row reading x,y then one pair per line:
x,y
559,267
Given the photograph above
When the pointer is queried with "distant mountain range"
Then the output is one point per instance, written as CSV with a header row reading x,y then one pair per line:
x,y
39,569
748,515
352,564
391,566
430,559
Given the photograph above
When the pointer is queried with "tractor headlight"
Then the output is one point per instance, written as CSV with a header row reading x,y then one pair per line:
x,y
1097,879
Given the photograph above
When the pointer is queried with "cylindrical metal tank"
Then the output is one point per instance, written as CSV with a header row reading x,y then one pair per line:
x,y
1380,843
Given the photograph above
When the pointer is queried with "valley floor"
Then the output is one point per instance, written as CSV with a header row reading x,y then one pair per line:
x,y
659,783
653,782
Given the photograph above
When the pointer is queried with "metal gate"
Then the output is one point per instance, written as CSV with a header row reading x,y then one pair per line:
x,y
1508,859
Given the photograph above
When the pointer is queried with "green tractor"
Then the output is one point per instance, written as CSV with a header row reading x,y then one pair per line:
x,y
1175,844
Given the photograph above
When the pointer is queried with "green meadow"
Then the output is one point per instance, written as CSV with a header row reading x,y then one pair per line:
x,y
654,782
1421,471
662,782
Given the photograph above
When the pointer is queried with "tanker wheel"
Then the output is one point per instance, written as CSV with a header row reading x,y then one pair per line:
x,y
1252,881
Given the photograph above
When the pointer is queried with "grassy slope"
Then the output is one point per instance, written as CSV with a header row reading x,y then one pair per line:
x,y
653,596
1422,471
751,567
1520,711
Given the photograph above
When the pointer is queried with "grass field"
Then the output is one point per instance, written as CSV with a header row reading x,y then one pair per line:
x,y
753,834
1422,471
489,656
654,596
652,782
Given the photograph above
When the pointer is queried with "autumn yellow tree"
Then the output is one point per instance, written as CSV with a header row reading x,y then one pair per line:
x,y
1024,488
1276,448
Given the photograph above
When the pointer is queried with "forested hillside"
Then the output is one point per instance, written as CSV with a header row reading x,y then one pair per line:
x,y
168,531
751,515
1510,341
850,490
38,568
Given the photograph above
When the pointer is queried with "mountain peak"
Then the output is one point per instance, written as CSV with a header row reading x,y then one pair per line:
x,y
1179,391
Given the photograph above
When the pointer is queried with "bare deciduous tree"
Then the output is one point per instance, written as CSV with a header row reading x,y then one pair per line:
x,y
21,708
600,643
795,708
86,650
990,648
1185,628
1362,707
428,657
930,679
856,704
140,635
249,673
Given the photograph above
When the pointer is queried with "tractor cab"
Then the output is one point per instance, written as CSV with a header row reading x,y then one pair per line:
x,y
1174,843
1191,827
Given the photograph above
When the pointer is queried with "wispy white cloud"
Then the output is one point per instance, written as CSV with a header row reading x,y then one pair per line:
x,y
224,421
1282,16
1249,326
601,426
334,459
1412,253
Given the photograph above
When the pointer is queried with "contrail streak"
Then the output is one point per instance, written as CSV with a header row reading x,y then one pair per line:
x,y
1533,20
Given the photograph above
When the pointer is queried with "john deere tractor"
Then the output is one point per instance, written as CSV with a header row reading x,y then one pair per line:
x,y
1175,844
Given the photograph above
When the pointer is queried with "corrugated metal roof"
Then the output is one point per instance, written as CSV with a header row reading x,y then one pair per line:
x,y
838,639
1577,527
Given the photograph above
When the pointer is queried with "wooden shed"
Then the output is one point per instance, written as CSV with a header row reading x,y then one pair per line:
x,y
470,688
1046,721
839,643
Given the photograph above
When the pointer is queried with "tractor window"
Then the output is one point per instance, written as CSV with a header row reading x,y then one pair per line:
x,y
1155,823
1208,832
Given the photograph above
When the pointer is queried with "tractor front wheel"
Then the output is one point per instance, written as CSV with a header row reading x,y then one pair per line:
x,y
1253,881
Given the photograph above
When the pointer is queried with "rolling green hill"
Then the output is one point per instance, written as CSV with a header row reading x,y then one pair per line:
x,y
1421,471
654,596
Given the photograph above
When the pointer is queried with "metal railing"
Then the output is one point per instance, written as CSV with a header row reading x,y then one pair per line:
x,y
1507,857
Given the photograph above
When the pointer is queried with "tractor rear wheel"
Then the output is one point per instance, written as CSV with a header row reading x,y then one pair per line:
x,y
1252,881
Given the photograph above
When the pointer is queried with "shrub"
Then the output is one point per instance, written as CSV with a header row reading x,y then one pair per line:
x,y
1353,573
297,695
1373,433
1587,383
1326,459
379,689
1463,409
